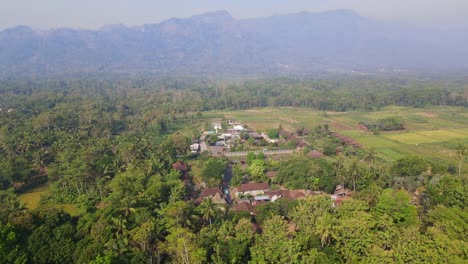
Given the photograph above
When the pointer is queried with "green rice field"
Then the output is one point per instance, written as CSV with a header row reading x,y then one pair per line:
x,y
432,132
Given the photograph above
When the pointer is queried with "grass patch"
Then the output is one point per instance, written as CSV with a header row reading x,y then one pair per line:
x,y
377,142
32,198
411,138
71,209
391,153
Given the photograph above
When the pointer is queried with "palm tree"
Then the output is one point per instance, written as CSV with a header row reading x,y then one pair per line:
x,y
370,158
324,228
208,209
460,154
372,193
340,170
354,172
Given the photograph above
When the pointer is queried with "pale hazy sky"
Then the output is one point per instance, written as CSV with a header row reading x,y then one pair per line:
x,y
44,14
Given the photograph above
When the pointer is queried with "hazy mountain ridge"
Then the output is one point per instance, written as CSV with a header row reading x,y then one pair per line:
x,y
216,43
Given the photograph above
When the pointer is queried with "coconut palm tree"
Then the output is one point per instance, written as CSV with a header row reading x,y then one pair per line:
x,y
324,228
460,154
207,209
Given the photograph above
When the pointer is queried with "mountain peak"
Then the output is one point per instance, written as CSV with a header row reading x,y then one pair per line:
x,y
342,12
220,15
19,30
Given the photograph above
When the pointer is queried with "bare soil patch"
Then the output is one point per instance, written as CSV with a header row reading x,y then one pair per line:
x,y
340,126
362,127
289,120
253,111
335,113
426,114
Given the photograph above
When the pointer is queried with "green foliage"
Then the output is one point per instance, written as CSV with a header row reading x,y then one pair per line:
x,y
354,236
453,222
52,241
237,175
233,242
213,171
125,189
110,149
182,247
274,245
281,207
449,191
273,133
396,204
10,248
250,157
301,172
386,124
257,170
411,166
9,203
212,139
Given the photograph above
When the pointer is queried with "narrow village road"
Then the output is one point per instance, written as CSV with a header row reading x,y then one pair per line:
x,y
226,183
203,146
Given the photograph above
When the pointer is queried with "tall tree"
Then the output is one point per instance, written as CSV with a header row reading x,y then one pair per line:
x,y
207,209
460,151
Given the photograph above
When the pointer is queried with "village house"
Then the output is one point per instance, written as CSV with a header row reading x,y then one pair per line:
x,y
244,206
194,148
236,129
253,189
217,126
180,166
347,140
255,135
315,154
214,194
289,194
271,174
340,191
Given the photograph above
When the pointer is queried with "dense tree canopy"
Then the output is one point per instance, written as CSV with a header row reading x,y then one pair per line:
x,y
108,147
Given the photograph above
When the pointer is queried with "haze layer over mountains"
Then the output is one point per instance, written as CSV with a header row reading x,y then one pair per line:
x,y
216,43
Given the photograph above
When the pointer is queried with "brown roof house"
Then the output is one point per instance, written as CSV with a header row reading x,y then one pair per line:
x,y
253,189
315,154
340,191
271,174
288,194
244,206
180,166
214,194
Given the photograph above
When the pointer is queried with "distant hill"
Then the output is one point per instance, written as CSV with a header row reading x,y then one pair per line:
x,y
216,43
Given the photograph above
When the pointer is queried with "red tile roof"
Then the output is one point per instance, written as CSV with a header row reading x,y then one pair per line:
x,y
244,206
315,154
247,187
180,166
288,194
210,192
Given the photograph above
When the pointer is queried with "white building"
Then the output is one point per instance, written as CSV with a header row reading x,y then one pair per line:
x,y
217,126
194,148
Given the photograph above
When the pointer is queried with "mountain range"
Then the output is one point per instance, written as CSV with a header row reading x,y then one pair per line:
x,y
216,43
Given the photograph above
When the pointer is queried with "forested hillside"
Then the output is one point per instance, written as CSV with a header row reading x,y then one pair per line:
x,y
113,148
